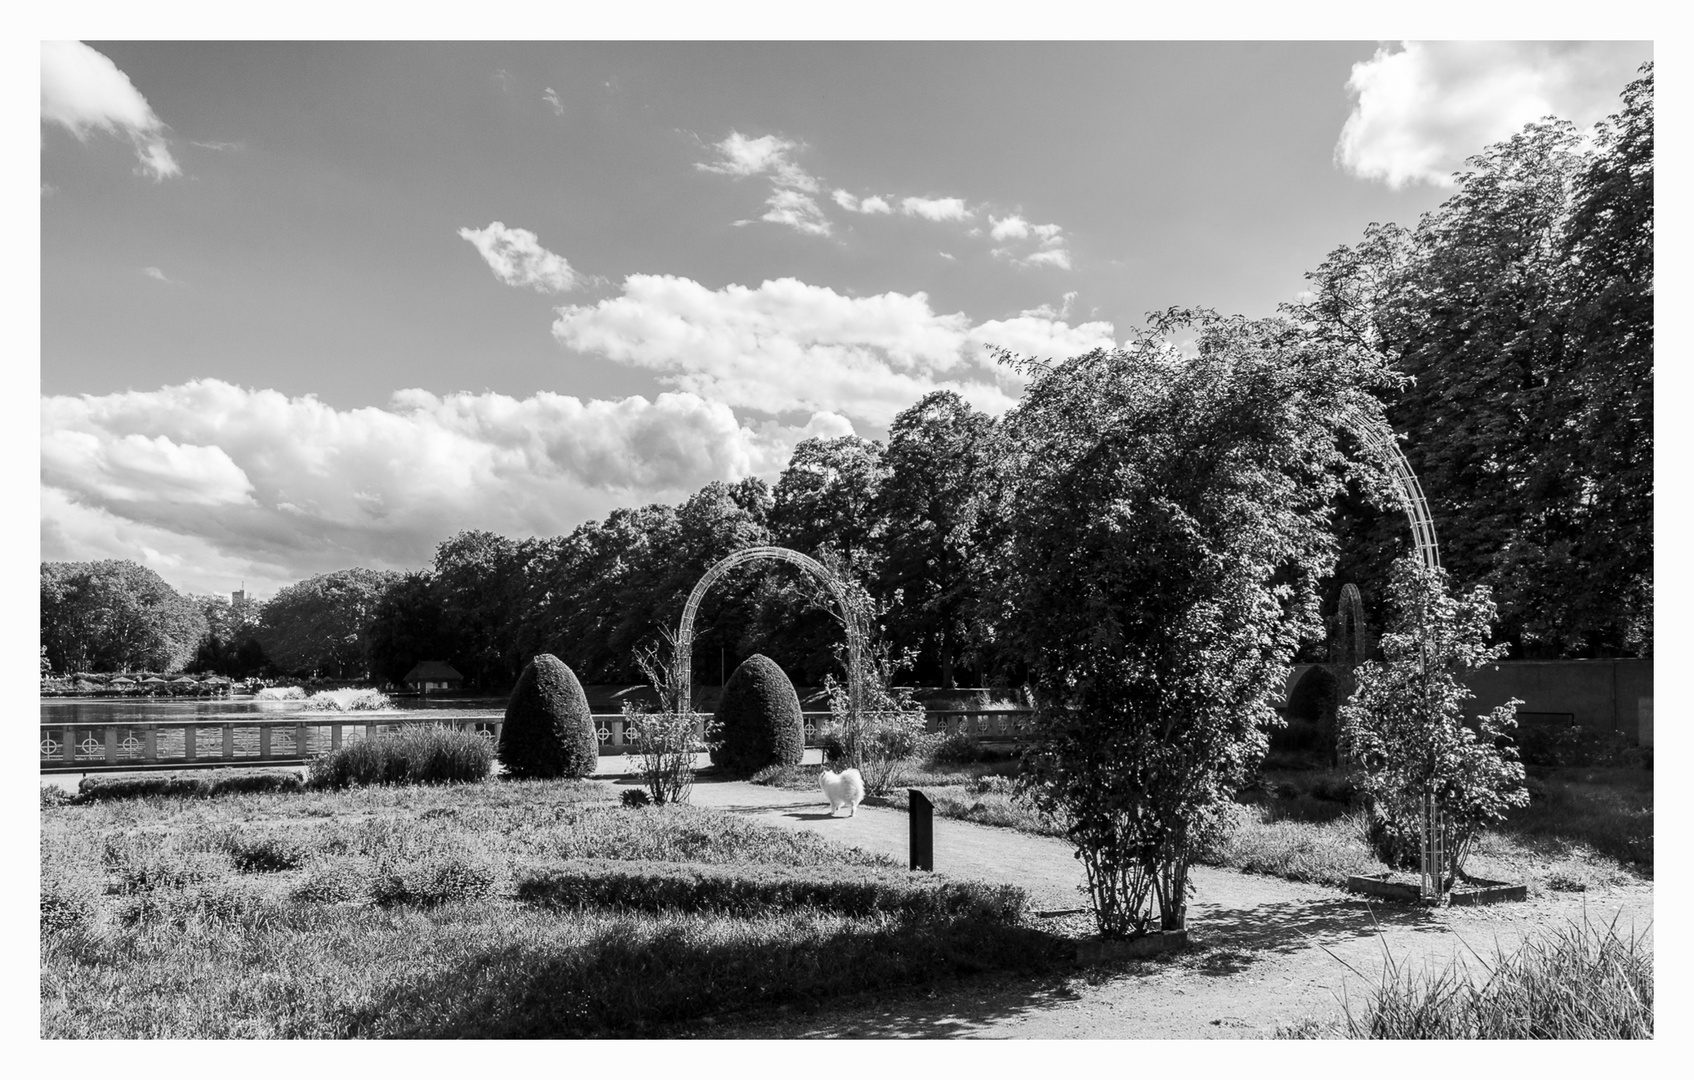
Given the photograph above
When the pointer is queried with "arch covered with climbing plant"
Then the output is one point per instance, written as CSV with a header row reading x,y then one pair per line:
x,y
684,664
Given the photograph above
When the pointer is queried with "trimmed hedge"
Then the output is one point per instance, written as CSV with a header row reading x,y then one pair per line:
x,y
99,788
758,719
416,754
749,889
548,730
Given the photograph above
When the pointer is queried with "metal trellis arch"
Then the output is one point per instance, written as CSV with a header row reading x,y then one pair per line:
x,y
685,630
1411,492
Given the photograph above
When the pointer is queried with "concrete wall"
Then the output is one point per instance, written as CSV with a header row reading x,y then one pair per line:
x,y
1603,694
1609,695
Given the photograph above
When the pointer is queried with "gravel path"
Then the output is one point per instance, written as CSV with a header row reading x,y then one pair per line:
x,y
1264,951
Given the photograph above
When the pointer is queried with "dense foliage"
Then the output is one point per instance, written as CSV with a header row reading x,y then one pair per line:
x,y
115,615
1523,310
1405,726
548,731
320,626
758,719
1168,533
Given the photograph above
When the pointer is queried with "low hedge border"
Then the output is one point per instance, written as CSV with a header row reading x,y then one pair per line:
x,y
749,889
100,788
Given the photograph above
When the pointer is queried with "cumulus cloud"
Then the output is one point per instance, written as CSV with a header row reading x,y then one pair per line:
x,y
1012,225
946,209
787,346
1422,108
83,91
518,259
232,481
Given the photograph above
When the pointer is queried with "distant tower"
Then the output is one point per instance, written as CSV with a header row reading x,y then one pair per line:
x,y
239,595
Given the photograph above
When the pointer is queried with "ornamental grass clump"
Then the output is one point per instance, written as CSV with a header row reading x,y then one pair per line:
x,y
1580,982
1405,731
758,719
347,699
548,730
416,754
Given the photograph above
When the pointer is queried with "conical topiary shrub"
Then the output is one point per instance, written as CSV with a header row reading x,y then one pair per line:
x,y
759,719
548,731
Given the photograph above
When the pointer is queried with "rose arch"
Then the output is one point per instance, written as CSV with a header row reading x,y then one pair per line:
x,y
685,630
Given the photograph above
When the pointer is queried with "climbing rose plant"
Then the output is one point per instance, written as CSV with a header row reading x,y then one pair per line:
x,y
1404,727
1166,531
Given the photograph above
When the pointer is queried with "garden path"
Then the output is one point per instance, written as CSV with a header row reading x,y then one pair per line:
x,y
1265,951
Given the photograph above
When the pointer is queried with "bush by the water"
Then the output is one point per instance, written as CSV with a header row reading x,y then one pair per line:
x,y
416,754
746,890
758,719
549,731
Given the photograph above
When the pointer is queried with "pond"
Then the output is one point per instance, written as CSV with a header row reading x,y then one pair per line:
x,y
238,710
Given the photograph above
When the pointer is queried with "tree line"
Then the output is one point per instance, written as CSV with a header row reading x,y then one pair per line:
x,y
1512,326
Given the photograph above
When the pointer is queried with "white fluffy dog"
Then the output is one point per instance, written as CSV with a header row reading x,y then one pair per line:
x,y
842,789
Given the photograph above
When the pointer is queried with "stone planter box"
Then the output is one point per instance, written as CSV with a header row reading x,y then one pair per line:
x,y
1101,951
1473,891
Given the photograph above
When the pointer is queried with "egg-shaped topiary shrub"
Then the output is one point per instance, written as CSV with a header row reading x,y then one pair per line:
x,y
548,730
758,719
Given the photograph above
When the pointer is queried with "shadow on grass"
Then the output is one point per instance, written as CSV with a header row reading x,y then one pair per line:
x,y
676,980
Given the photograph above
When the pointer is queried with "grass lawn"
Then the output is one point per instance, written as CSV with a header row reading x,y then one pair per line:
x,y
501,909
1583,828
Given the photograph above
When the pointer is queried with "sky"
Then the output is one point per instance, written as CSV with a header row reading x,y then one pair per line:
x,y
311,306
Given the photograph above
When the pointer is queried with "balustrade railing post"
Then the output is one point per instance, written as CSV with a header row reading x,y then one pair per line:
x,y
111,744
299,740
68,750
150,743
335,736
264,741
189,732
228,753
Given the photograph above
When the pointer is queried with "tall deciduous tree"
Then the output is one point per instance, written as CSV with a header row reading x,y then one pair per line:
x,y
1522,309
405,627
318,626
931,574
116,615
1169,530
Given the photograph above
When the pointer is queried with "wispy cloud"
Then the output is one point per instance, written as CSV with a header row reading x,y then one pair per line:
x,y
797,210
159,275
83,91
1420,109
943,209
870,204
221,147
518,259
551,97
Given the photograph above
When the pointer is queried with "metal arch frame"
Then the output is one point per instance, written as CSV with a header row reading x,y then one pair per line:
x,y
1350,625
1433,841
1412,501
685,630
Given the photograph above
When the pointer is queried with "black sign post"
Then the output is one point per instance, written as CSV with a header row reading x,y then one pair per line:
x,y
922,814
